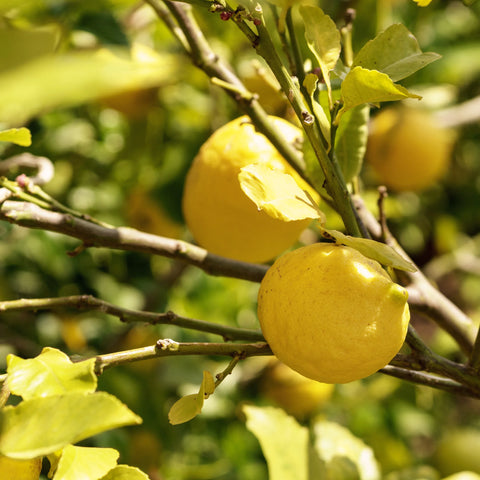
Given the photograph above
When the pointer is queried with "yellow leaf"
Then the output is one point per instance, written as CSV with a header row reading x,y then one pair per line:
x,y
278,194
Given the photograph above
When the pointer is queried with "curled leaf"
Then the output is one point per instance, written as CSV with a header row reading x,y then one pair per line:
x,y
383,254
189,406
278,194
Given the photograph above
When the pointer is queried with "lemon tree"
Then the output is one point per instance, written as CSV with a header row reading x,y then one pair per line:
x,y
220,216
331,314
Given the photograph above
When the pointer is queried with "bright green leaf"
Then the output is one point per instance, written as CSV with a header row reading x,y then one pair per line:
x,y
87,463
43,425
351,141
189,406
277,193
395,52
323,39
124,472
78,77
382,253
345,456
310,83
284,442
50,373
369,86
20,136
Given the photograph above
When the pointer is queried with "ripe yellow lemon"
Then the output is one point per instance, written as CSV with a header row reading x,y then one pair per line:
x,y
407,149
332,314
13,469
297,395
218,213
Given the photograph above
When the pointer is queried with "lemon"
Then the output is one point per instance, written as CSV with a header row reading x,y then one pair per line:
x,y
297,395
13,469
218,213
407,149
332,314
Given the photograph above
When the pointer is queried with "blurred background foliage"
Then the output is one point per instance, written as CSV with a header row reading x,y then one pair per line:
x,y
122,158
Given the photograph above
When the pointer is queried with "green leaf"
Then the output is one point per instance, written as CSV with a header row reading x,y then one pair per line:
x,y
351,141
87,463
20,136
323,39
345,456
277,193
78,77
394,52
310,83
382,253
189,406
369,86
124,472
284,442
41,426
20,45
50,373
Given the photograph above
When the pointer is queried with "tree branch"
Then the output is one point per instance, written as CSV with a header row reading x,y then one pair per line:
x,y
90,303
124,238
170,348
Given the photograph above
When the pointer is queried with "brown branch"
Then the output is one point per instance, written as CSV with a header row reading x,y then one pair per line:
x,y
170,348
123,238
90,303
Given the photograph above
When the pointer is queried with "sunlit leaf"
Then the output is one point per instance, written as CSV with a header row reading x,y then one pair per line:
x,y
20,45
351,141
422,3
87,463
369,86
382,253
277,193
344,455
50,373
125,472
189,406
284,442
310,83
395,52
40,426
19,136
75,78
323,39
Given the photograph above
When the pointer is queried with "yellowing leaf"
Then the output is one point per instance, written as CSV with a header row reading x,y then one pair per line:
x,y
369,86
382,253
343,455
395,52
41,426
20,136
277,193
50,373
422,3
74,78
284,442
189,406
323,39
87,463
125,472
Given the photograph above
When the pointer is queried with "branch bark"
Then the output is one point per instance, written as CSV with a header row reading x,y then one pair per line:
x,y
123,238
90,303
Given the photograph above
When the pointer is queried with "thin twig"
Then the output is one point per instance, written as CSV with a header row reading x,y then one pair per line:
x,y
170,348
90,303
